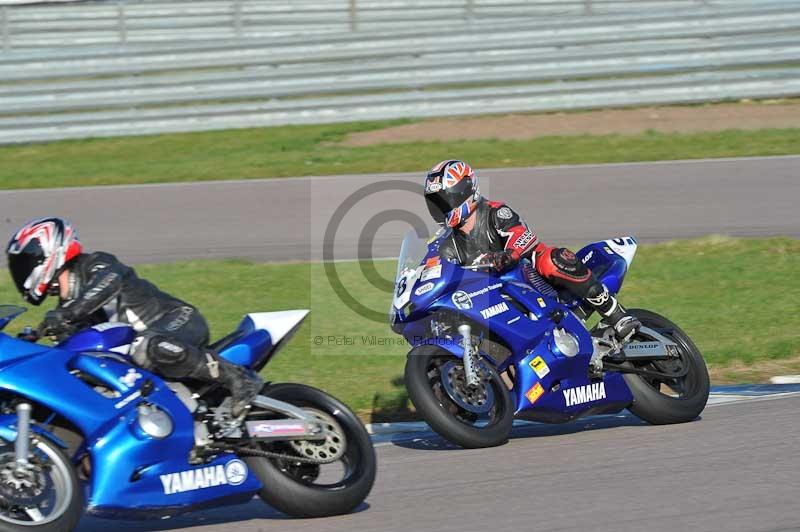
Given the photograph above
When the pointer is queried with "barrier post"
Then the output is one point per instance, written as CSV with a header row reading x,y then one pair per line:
x,y
587,7
353,16
6,34
122,27
237,17
469,9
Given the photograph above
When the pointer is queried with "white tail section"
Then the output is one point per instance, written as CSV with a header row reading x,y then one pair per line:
x,y
625,247
278,324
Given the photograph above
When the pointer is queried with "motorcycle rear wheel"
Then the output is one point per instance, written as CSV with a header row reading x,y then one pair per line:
x,y
291,487
424,382
662,401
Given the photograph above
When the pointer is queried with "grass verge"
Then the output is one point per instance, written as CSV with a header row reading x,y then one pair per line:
x,y
737,298
313,150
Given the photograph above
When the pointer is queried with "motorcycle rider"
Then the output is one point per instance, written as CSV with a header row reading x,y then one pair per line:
x,y
490,232
45,257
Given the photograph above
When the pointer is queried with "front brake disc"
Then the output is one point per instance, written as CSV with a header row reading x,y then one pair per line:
x,y
478,399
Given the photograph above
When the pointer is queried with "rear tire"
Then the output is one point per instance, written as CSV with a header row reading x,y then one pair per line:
x,y
438,410
285,489
653,406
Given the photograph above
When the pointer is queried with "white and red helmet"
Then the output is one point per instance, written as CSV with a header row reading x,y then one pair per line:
x,y
37,253
451,192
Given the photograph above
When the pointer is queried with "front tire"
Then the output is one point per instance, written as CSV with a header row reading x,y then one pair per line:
x,y
666,401
290,487
424,379
57,509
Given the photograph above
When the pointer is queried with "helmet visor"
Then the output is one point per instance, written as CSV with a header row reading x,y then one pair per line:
x,y
437,206
22,264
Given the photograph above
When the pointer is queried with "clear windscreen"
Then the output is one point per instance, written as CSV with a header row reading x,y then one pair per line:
x,y
412,251
8,313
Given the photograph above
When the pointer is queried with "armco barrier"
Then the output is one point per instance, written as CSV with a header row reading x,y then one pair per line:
x,y
727,50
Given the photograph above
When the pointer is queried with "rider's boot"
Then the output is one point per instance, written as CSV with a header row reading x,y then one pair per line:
x,y
242,383
615,316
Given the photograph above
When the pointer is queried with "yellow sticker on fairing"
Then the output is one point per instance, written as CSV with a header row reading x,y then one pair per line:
x,y
541,302
539,366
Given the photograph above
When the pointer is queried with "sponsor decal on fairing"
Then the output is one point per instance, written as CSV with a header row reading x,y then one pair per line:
x,y
494,310
233,473
461,300
534,393
128,400
485,290
431,273
424,289
539,366
584,394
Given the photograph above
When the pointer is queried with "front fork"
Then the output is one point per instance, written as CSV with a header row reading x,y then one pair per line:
x,y
22,443
470,356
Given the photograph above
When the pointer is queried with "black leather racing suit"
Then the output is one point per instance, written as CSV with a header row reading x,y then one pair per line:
x,y
497,228
172,334
500,230
101,288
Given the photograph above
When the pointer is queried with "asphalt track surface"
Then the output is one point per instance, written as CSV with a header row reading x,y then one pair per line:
x,y
286,219
737,468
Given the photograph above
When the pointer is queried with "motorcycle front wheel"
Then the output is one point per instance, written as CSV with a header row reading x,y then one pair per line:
x,y
469,416
302,489
666,400
42,495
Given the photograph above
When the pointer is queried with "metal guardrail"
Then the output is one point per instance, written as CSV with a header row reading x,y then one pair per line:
x,y
132,22
708,53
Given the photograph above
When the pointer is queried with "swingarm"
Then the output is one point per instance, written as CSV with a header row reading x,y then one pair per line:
x,y
660,348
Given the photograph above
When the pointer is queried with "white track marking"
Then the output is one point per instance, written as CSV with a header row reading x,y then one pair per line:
x,y
785,379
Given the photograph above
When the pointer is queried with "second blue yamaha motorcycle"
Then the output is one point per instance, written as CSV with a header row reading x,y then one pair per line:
x,y
82,429
487,348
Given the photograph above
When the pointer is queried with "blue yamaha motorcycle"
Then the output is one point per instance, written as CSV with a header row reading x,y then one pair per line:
x,y
489,347
83,429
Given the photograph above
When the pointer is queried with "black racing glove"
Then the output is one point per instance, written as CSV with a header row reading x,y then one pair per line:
x,y
28,335
501,259
56,323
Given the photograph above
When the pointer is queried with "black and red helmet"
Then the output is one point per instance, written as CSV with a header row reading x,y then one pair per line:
x,y
451,192
37,253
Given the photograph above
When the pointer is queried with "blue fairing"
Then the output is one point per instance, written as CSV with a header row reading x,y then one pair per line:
x,y
132,472
103,337
522,319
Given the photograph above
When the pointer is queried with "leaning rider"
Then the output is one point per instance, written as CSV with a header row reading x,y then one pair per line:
x,y
490,232
45,257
